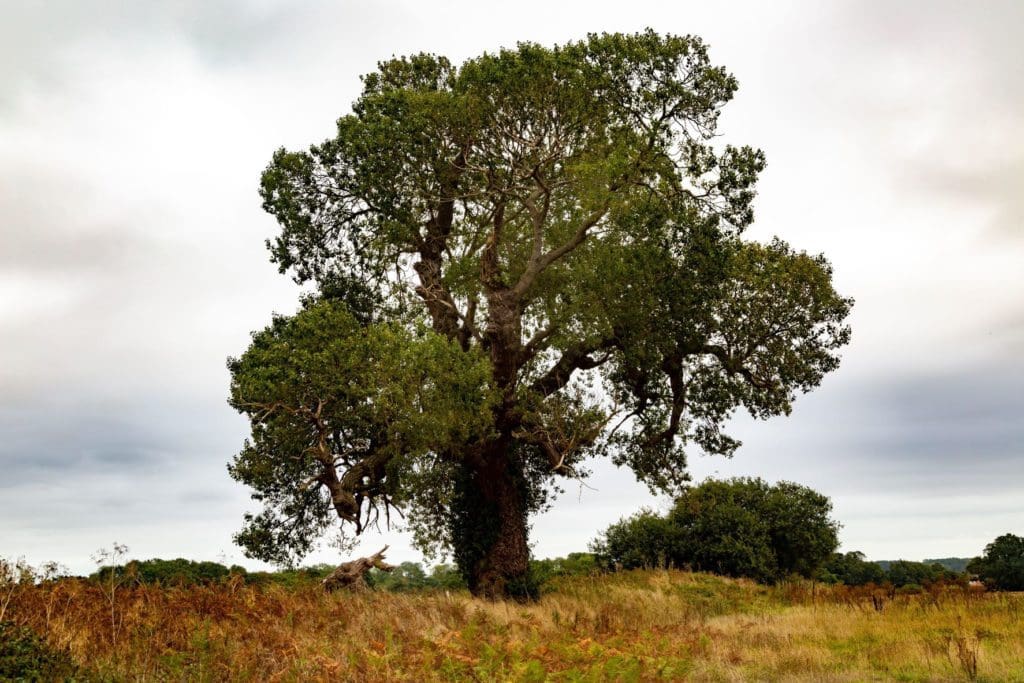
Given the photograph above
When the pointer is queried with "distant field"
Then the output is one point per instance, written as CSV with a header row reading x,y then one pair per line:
x,y
633,626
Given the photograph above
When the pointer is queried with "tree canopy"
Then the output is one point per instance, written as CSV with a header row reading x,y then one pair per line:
x,y
522,262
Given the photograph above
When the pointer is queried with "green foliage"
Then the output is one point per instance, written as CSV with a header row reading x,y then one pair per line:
x,y
906,573
24,656
1002,564
446,576
177,572
573,564
407,576
410,576
564,222
851,569
738,527
290,578
953,564
321,389
644,541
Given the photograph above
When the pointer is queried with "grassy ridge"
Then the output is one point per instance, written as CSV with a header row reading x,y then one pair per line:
x,y
643,625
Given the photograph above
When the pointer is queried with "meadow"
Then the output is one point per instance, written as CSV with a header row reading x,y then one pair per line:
x,y
628,626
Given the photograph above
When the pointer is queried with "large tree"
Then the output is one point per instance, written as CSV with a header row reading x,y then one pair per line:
x,y
520,263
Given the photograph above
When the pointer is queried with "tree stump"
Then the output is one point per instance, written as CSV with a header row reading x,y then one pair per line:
x,y
352,575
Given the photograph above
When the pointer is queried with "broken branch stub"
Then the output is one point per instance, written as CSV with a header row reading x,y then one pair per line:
x,y
352,575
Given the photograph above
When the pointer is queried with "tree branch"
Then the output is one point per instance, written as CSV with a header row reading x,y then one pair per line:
x,y
576,358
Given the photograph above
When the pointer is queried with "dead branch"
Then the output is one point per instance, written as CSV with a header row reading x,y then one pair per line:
x,y
352,575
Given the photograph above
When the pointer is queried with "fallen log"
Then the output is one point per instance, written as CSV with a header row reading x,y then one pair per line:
x,y
352,575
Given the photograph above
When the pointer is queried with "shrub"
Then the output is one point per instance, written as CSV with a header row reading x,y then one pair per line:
x,y
645,540
407,576
24,656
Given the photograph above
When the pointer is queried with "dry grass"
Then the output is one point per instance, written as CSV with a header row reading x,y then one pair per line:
x,y
635,626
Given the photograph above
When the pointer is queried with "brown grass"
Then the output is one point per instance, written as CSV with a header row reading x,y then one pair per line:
x,y
634,626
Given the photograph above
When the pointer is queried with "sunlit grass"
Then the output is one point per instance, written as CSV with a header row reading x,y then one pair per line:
x,y
634,626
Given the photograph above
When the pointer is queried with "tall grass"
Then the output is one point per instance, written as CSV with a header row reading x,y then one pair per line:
x,y
632,626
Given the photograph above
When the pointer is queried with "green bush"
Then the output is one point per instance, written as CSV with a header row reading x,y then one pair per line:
x,y
290,578
644,541
24,656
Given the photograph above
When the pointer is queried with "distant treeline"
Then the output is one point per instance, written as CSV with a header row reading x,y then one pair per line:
x,y
953,564
407,576
853,569
1001,567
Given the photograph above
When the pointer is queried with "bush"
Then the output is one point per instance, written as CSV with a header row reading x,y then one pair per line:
x,y
24,656
738,527
1002,565
644,541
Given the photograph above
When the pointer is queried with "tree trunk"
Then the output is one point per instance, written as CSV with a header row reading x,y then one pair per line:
x,y
489,527
492,499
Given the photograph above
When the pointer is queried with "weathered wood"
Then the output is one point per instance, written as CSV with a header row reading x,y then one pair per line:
x,y
352,575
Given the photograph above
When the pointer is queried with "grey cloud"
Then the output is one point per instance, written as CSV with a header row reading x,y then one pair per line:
x,y
48,229
993,185
73,436
961,80
37,36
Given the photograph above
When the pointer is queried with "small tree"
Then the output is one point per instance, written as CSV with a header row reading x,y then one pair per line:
x,y
110,576
522,262
1002,565
14,575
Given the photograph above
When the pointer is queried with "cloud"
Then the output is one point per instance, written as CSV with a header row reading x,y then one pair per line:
x,y
954,72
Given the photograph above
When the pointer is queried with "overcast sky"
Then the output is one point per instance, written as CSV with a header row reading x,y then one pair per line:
x,y
132,136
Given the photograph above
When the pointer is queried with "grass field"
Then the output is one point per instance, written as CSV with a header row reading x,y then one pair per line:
x,y
633,626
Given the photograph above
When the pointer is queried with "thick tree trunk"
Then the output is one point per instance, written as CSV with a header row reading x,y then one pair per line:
x,y
490,527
